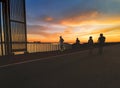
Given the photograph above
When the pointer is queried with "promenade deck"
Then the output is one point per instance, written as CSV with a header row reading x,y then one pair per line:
x,y
72,70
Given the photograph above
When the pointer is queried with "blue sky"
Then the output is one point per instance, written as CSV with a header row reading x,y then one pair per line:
x,y
49,18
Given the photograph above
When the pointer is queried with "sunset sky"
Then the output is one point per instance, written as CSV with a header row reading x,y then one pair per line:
x,y
49,19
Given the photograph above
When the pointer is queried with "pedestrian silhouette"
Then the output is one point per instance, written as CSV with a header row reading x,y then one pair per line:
x,y
77,41
101,42
90,44
61,42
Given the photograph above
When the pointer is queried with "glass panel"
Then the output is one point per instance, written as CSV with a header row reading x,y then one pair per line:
x,y
17,10
0,29
2,48
17,32
18,25
18,36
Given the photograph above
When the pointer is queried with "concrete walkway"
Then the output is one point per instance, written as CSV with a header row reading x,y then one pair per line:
x,y
76,70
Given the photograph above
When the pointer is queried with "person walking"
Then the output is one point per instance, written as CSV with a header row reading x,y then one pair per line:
x,y
61,42
77,41
101,42
90,44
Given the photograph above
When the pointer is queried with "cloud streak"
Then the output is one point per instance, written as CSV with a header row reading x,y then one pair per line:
x,y
71,19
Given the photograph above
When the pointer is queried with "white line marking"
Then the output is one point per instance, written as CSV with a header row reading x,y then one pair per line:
x,y
46,58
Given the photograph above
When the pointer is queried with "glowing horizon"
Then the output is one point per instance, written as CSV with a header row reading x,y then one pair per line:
x,y
50,22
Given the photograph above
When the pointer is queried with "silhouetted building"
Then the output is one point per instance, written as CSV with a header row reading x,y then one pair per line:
x,y
12,27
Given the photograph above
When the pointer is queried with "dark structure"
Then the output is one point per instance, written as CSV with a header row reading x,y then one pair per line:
x,y
12,27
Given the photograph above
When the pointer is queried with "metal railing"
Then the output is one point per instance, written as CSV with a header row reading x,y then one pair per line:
x,y
41,47
44,47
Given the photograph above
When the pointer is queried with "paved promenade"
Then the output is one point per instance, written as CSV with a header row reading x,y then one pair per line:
x,y
75,70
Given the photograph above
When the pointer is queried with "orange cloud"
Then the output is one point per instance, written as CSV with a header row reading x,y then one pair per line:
x,y
48,19
105,30
112,34
52,37
80,18
90,18
81,26
68,30
43,18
